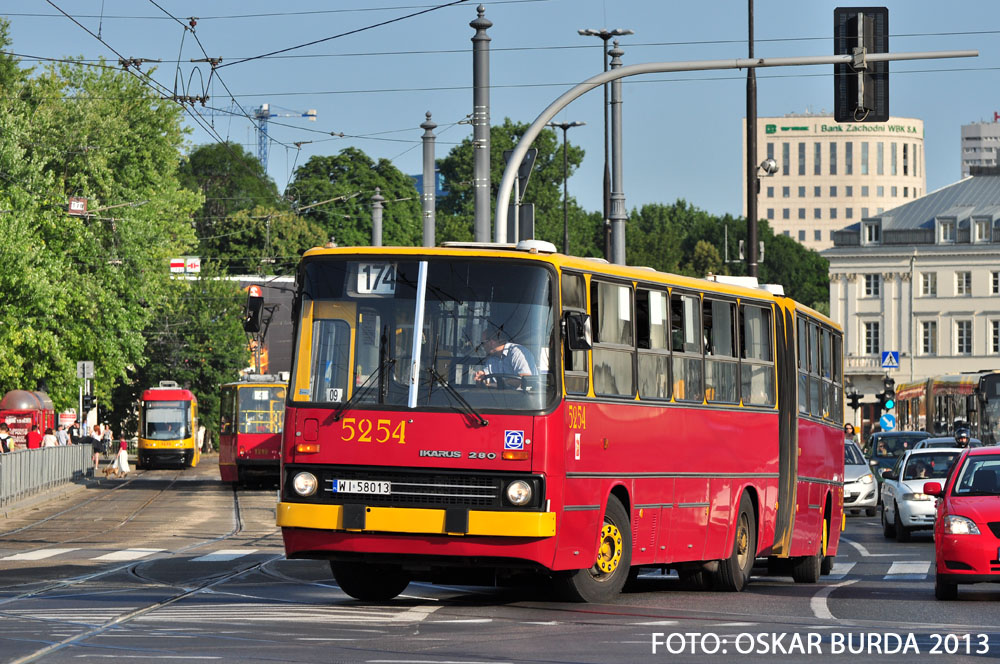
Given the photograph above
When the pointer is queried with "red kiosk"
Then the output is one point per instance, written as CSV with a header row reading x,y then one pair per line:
x,y
22,409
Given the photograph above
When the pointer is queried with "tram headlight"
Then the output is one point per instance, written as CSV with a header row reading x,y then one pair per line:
x,y
305,484
519,492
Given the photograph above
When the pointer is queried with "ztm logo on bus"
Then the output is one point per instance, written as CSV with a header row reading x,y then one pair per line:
x,y
513,440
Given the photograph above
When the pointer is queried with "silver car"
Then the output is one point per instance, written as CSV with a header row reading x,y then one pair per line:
x,y
905,506
860,487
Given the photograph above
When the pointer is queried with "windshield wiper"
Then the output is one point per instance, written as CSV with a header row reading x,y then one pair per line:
x,y
450,389
364,388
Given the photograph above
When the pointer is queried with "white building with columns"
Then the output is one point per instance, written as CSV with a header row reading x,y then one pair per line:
x,y
922,279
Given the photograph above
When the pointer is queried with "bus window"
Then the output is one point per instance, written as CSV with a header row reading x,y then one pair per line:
x,y
611,308
721,367
802,343
815,399
757,368
330,353
574,298
653,340
685,337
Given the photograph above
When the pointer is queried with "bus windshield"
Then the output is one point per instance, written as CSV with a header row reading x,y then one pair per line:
x,y
167,420
487,335
262,408
990,421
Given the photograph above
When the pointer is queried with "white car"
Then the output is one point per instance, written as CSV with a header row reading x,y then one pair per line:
x,y
905,506
860,487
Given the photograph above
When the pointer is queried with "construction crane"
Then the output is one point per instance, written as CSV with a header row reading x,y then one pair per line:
x,y
262,114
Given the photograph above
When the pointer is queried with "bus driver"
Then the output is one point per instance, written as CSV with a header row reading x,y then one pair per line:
x,y
505,359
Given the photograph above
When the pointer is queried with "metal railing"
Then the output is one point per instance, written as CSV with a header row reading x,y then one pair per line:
x,y
27,472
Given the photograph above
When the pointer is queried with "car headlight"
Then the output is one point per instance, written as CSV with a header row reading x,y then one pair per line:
x,y
305,484
917,496
960,525
866,479
519,492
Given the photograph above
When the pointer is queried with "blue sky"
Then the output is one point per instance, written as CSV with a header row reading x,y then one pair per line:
x,y
682,132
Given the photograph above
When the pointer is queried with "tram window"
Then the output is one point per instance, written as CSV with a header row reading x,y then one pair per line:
x,y
574,298
330,353
653,340
757,368
611,307
685,337
227,409
721,367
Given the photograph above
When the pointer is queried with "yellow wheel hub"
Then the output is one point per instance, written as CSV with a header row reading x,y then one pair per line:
x,y
609,553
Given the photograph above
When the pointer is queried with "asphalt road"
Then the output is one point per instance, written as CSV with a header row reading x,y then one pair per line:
x,y
172,565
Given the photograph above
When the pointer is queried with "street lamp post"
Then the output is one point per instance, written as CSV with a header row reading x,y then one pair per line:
x,y
565,126
605,35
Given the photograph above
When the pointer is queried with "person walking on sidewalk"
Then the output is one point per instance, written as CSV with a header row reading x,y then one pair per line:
x,y
6,444
49,439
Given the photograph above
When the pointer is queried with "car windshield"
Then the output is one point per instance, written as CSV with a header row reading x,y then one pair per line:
x,y
895,446
927,466
852,456
480,317
978,476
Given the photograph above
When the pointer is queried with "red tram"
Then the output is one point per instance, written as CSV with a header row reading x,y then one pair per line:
x,y
251,421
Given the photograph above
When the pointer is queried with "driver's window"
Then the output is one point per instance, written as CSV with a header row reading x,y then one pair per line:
x,y
331,356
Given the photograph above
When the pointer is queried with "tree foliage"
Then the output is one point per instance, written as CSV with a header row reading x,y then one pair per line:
x,y
335,193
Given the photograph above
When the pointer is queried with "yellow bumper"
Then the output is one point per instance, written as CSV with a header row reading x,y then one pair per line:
x,y
418,521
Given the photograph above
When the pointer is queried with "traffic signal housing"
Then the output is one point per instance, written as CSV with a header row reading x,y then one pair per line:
x,y
861,88
887,398
854,400
88,402
254,309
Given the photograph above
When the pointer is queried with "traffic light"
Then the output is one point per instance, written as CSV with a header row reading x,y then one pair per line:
x,y
888,397
254,308
861,88
854,400
88,402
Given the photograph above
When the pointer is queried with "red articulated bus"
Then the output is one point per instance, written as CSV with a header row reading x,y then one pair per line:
x,y
251,417
503,409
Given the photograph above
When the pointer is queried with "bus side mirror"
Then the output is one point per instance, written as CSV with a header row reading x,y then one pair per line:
x,y
971,403
578,331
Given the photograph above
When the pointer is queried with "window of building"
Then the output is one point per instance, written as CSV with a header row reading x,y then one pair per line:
x,y
770,150
833,191
880,158
871,340
879,210
906,161
849,191
873,285
802,213
785,158
963,283
848,213
928,284
916,161
963,337
864,157
906,192
786,192
770,213
818,235
802,192
833,158
982,230
802,158
892,159
872,232
849,159
786,213
995,283
786,233
894,191
880,191
928,337
995,337
802,236
817,158
833,213
817,213
946,231
611,311
864,212
864,191
817,191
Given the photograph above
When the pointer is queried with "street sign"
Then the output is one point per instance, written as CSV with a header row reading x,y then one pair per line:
x,y
84,369
890,359
77,206
887,422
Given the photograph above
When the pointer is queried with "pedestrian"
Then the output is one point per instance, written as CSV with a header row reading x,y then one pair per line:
x,y
34,438
49,439
106,439
74,433
121,460
61,436
6,444
849,432
200,438
97,444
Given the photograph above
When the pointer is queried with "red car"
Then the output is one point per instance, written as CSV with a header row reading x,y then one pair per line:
x,y
967,528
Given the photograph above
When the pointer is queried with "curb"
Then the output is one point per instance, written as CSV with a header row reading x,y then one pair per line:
x,y
61,491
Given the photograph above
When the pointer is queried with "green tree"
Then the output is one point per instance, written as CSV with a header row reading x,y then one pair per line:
x,y
456,212
335,194
705,259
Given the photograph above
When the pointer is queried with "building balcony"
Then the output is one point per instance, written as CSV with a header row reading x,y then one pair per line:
x,y
864,365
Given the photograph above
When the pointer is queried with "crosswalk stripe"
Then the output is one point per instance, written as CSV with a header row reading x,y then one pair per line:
x,y
840,570
223,555
41,554
128,554
908,571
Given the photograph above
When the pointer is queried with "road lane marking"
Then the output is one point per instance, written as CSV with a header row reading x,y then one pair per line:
x,y
128,554
840,570
657,622
908,571
818,601
41,554
864,552
223,555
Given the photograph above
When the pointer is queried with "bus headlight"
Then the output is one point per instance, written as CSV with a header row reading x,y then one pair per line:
x,y
305,484
519,492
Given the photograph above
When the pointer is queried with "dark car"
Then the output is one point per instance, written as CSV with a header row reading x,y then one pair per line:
x,y
884,448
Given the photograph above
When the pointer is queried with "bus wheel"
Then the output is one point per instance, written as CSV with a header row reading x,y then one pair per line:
x,y
605,579
808,568
734,571
368,582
